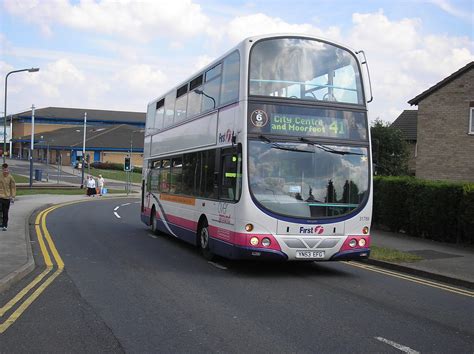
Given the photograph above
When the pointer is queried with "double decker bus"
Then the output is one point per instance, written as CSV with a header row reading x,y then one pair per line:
x,y
264,154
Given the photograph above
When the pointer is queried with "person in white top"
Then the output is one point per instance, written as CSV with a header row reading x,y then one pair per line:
x,y
100,184
91,186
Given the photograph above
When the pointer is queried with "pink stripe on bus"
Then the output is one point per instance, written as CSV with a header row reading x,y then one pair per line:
x,y
237,238
178,221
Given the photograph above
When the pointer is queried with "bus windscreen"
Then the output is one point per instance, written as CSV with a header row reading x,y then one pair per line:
x,y
305,69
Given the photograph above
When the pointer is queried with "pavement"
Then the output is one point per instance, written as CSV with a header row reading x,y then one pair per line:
x,y
453,264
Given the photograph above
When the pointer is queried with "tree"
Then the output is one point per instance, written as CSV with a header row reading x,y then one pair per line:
x,y
389,150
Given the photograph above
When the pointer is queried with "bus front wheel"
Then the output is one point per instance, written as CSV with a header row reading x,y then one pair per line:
x,y
203,242
153,222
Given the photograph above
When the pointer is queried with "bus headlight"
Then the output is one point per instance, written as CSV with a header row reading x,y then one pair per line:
x,y
362,242
254,241
353,243
266,242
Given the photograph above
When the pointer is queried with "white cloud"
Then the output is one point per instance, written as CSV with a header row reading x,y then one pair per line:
x,y
59,83
139,79
258,24
403,60
202,61
137,20
452,10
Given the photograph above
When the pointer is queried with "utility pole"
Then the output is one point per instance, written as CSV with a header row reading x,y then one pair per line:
x,y
32,144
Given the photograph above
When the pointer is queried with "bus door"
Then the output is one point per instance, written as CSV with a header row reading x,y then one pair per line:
x,y
230,181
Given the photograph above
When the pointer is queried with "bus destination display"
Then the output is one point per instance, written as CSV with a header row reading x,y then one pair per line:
x,y
291,124
323,123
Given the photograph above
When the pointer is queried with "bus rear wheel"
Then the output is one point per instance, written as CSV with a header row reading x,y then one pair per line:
x,y
203,242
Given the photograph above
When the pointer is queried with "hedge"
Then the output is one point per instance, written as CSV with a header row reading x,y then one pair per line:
x,y
442,211
113,166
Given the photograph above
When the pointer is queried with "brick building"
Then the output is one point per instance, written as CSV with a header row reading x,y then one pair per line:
x,y
445,128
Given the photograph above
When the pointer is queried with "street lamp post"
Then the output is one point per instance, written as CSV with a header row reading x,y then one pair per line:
x,y
32,144
32,70
83,149
129,179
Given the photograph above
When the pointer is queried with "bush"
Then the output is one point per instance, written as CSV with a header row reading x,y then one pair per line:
x,y
442,211
107,166
113,166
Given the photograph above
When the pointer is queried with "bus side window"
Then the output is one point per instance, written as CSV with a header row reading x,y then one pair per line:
x,y
194,98
181,103
164,176
160,110
176,184
190,165
169,109
230,79
211,88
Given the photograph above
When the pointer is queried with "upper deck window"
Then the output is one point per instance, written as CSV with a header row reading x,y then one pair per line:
x,y
305,69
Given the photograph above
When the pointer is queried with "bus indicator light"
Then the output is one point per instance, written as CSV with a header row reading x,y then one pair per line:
x,y
365,230
254,241
248,227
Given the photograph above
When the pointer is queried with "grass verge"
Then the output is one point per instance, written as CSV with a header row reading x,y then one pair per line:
x,y
115,175
20,179
391,255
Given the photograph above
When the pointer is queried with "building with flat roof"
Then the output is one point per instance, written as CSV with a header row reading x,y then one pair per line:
x,y
110,135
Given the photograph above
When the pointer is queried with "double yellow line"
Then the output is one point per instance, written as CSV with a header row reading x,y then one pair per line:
x,y
44,240
422,281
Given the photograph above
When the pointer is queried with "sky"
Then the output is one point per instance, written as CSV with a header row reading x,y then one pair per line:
x,y
119,55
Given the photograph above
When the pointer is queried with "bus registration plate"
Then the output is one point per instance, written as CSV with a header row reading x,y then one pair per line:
x,y
310,254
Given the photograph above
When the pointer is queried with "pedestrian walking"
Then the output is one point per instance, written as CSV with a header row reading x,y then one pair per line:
x,y
7,194
91,191
101,184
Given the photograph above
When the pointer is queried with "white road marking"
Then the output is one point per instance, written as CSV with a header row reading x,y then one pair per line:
x,y
217,265
400,347
152,236
116,208
117,215
125,204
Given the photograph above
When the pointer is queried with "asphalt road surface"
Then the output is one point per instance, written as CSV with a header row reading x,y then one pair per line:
x,y
126,290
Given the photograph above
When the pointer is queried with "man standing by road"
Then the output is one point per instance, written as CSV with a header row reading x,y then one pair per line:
x,y
7,194
101,184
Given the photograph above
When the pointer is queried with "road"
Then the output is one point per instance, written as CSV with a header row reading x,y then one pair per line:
x,y
126,290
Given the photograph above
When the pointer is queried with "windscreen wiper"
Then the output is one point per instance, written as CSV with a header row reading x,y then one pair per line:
x,y
280,147
328,149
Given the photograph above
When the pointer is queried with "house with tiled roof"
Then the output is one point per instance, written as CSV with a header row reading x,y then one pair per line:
x,y
445,128
407,124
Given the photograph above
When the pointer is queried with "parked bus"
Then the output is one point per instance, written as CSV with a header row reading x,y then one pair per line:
x,y
264,154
